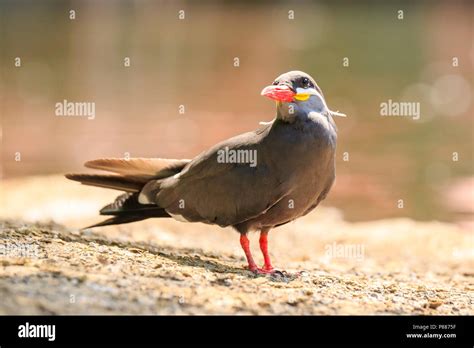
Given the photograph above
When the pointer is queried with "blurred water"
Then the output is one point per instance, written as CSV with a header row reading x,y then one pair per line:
x,y
190,62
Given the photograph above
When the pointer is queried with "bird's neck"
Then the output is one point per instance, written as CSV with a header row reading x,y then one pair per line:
x,y
295,114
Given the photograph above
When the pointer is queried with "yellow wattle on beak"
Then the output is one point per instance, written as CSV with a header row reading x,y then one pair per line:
x,y
302,96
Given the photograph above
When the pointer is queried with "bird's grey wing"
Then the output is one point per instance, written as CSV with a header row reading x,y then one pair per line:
x,y
210,191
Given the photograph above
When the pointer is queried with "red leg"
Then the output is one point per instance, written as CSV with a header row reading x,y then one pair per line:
x,y
244,242
264,248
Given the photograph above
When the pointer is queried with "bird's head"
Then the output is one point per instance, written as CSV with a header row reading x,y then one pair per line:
x,y
296,92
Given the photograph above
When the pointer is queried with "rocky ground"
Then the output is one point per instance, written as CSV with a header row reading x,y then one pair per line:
x,y
49,266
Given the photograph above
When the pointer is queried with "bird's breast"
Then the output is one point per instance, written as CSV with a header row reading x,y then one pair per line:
x,y
305,160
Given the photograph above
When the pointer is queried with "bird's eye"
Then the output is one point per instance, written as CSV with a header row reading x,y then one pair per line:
x,y
275,83
306,82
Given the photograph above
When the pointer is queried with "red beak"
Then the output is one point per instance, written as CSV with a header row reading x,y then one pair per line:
x,y
281,93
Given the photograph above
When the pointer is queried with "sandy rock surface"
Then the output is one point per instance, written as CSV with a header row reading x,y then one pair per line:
x,y
49,266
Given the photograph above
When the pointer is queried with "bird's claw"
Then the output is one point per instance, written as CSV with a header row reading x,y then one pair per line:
x,y
263,271
269,271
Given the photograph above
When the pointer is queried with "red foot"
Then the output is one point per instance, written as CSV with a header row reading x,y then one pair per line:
x,y
267,267
263,270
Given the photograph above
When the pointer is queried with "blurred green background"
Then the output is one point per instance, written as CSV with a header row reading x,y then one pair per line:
x,y
190,62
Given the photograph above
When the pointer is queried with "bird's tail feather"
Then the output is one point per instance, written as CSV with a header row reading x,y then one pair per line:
x,y
126,209
116,220
140,168
117,182
130,175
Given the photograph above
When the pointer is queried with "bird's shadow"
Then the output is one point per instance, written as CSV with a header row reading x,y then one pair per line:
x,y
217,267
182,256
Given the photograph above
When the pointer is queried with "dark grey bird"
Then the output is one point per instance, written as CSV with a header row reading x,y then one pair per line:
x,y
253,182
